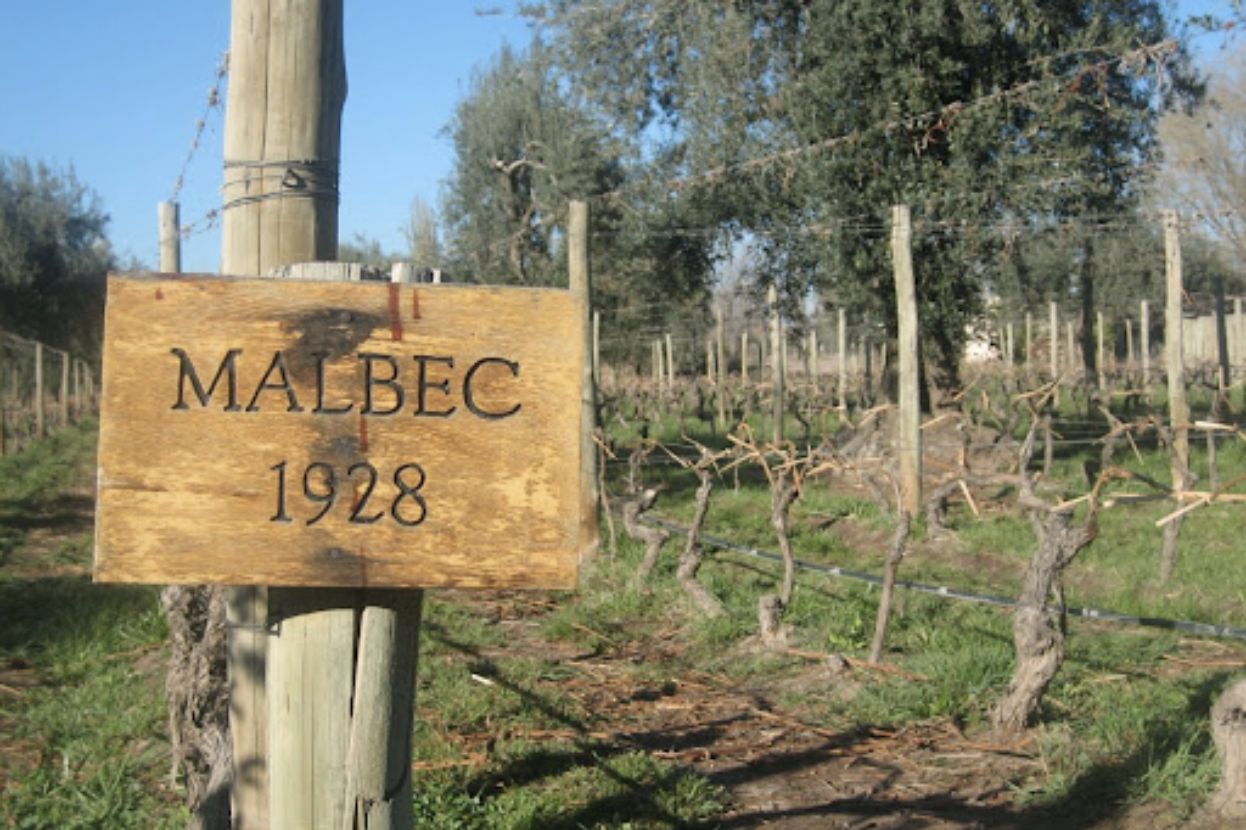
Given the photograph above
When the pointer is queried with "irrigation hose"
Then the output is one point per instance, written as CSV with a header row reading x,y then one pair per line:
x,y
1196,628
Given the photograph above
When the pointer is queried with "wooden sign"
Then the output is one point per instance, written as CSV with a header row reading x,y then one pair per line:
x,y
279,432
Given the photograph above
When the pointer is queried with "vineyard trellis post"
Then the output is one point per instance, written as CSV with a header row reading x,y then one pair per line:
x,y
1029,344
1129,347
1100,353
581,282
776,361
909,435
329,674
1178,407
720,388
670,364
1053,329
744,359
40,403
841,347
1222,345
62,398
170,238
1144,341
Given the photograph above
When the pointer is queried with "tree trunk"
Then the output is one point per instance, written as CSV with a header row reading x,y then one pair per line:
x,y
694,554
770,608
652,537
1228,728
894,557
1037,634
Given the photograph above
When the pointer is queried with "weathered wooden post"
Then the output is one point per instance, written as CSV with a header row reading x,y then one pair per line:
x,y
1029,344
1144,343
720,385
841,362
1222,345
670,363
1053,328
1178,408
1100,352
1070,349
63,396
282,137
597,350
1129,350
908,436
581,283
40,402
776,357
1009,356
744,359
170,238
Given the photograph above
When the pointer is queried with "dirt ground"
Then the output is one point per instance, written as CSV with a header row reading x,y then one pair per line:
x,y
779,769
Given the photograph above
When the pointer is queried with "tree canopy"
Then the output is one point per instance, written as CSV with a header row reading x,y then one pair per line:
x,y
54,257
796,124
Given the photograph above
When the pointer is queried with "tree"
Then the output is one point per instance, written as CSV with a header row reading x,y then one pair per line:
x,y
520,153
1204,171
523,148
803,121
366,250
54,257
421,234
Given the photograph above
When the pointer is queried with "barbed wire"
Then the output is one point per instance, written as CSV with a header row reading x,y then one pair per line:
x,y
213,103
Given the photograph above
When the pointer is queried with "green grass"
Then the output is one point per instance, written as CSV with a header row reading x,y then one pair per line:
x,y
82,723
511,736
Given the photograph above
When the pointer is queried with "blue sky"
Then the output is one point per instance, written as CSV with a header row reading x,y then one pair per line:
x,y
115,89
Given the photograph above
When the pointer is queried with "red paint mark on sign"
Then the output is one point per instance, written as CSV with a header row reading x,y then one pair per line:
x,y
159,294
363,433
415,304
395,316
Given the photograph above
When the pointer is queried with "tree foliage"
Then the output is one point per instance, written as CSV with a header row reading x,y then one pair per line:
x,y
1204,174
524,148
54,257
802,121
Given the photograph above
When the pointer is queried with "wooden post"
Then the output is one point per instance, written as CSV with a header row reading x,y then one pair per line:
x,y
670,364
1178,408
841,346
1129,348
322,680
811,361
1144,339
1009,355
40,403
1100,353
597,350
1029,342
776,357
581,283
655,360
908,436
1070,348
1222,344
744,358
720,389
1053,327
1238,353
170,238
63,397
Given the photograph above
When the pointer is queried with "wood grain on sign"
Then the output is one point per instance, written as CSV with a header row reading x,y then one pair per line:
x,y
338,434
